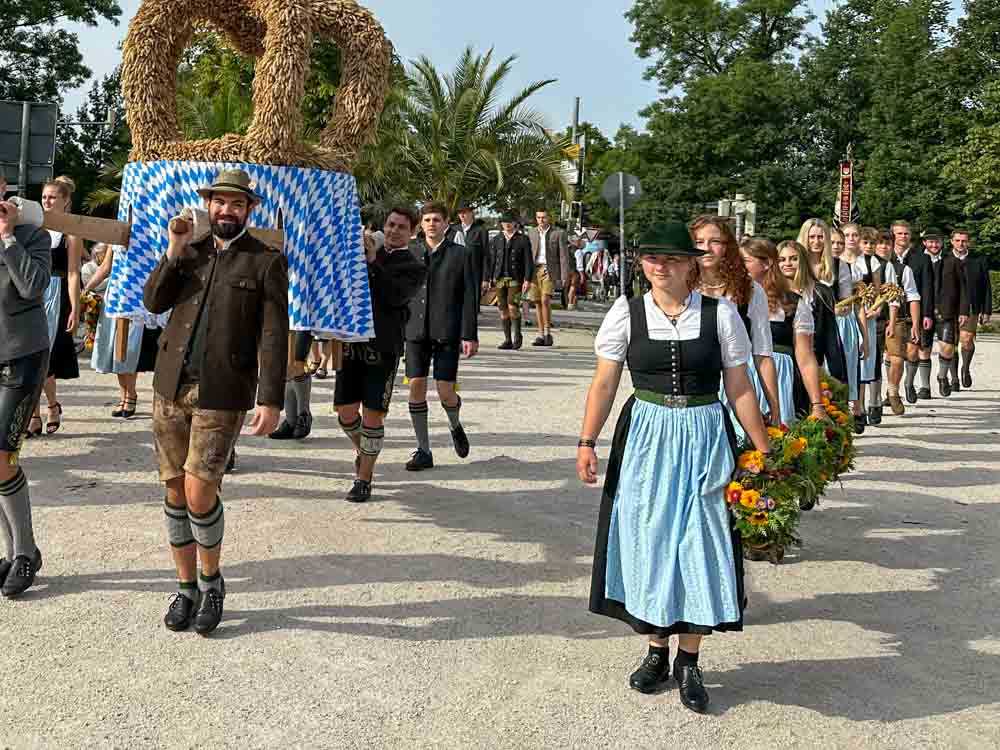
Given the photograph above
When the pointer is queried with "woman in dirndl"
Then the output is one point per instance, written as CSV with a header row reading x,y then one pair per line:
x,y
62,306
667,559
792,328
724,275
140,353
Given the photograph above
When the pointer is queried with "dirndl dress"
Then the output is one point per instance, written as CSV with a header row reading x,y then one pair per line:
x,y
869,365
667,558
755,381
850,337
63,363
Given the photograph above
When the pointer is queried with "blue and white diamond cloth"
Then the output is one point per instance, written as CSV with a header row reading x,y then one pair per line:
x,y
327,274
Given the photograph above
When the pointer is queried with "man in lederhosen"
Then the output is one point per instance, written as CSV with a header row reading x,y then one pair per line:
x,y
368,374
226,342
509,268
443,327
951,308
979,289
916,354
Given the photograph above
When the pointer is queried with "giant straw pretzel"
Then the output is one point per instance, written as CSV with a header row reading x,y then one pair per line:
x,y
279,33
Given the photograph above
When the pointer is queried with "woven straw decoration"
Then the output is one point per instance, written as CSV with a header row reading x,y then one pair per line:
x,y
279,33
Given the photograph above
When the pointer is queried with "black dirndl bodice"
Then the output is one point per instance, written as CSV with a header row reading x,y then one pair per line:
x,y
783,336
63,364
675,368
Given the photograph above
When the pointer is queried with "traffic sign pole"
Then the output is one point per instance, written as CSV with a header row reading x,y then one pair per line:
x,y
621,232
22,165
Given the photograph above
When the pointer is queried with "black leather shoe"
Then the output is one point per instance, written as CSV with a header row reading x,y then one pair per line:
x,y
692,688
284,432
21,575
179,613
875,416
955,386
518,337
966,379
209,612
5,566
360,492
860,421
419,461
944,387
924,394
548,340
303,426
231,464
540,341
460,441
507,345
652,676
911,394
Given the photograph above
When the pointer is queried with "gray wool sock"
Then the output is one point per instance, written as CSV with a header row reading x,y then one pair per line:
x,y
911,373
924,374
8,537
207,583
954,369
291,402
188,589
303,393
875,393
16,506
944,367
453,413
418,415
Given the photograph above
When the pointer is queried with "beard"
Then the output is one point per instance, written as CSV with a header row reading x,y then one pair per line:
x,y
227,228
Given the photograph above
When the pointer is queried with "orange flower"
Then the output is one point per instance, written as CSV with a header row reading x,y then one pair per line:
x,y
812,418
826,401
749,498
795,448
733,492
752,461
775,433
841,419
824,385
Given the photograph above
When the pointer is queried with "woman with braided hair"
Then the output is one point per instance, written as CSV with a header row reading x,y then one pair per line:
x,y
724,275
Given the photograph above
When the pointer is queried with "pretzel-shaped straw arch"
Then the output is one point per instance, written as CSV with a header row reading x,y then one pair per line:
x,y
279,33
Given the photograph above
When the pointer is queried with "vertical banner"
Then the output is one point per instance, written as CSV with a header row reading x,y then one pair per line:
x,y
845,202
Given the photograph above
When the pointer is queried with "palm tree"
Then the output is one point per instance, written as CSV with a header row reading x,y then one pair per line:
x,y
464,145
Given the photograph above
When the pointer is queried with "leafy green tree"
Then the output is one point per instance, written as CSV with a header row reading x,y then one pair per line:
x,y
40,62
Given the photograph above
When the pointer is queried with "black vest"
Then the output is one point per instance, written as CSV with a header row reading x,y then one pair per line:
x,y
904,308
783,331
675,368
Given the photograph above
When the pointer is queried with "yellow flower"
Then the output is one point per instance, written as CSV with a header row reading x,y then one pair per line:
x,y
775,433
826,401
749,498
752,461
824,385
758,519
812,418
734,492
795,448
841,418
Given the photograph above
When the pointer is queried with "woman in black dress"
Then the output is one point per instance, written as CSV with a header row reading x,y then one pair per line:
x,y
67,253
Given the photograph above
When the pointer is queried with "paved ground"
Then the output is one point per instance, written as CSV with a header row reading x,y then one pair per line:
x,y
451,612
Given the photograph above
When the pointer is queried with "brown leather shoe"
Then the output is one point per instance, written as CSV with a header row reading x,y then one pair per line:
x,y
896,404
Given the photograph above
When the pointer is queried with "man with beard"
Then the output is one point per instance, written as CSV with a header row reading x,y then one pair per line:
x,y
951,309
977,280
228,293
918,357
368,373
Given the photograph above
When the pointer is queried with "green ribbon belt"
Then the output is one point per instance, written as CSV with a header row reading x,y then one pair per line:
x,y
676,401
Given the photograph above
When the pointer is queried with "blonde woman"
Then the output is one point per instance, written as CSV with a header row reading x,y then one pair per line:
x,y
62,305
834,283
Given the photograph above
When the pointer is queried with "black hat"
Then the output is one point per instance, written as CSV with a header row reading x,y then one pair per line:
x,y
932,233
508,218
465,206
668,238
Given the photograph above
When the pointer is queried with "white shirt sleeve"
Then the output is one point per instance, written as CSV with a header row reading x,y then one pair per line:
x,y
846,281
760,323
733,338
908,283
613,337
804,321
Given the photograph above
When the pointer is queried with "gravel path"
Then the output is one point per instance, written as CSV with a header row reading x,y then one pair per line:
x,y
451,610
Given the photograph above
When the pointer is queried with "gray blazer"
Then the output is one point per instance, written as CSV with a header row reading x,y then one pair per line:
x,y
25,272
557,257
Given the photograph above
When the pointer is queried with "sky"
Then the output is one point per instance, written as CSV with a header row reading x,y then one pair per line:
x,y
584,45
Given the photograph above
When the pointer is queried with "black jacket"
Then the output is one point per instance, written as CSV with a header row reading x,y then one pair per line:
x,y
394,277
923,274
445,307
509,259
950,297
978,286
477,241
827,346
